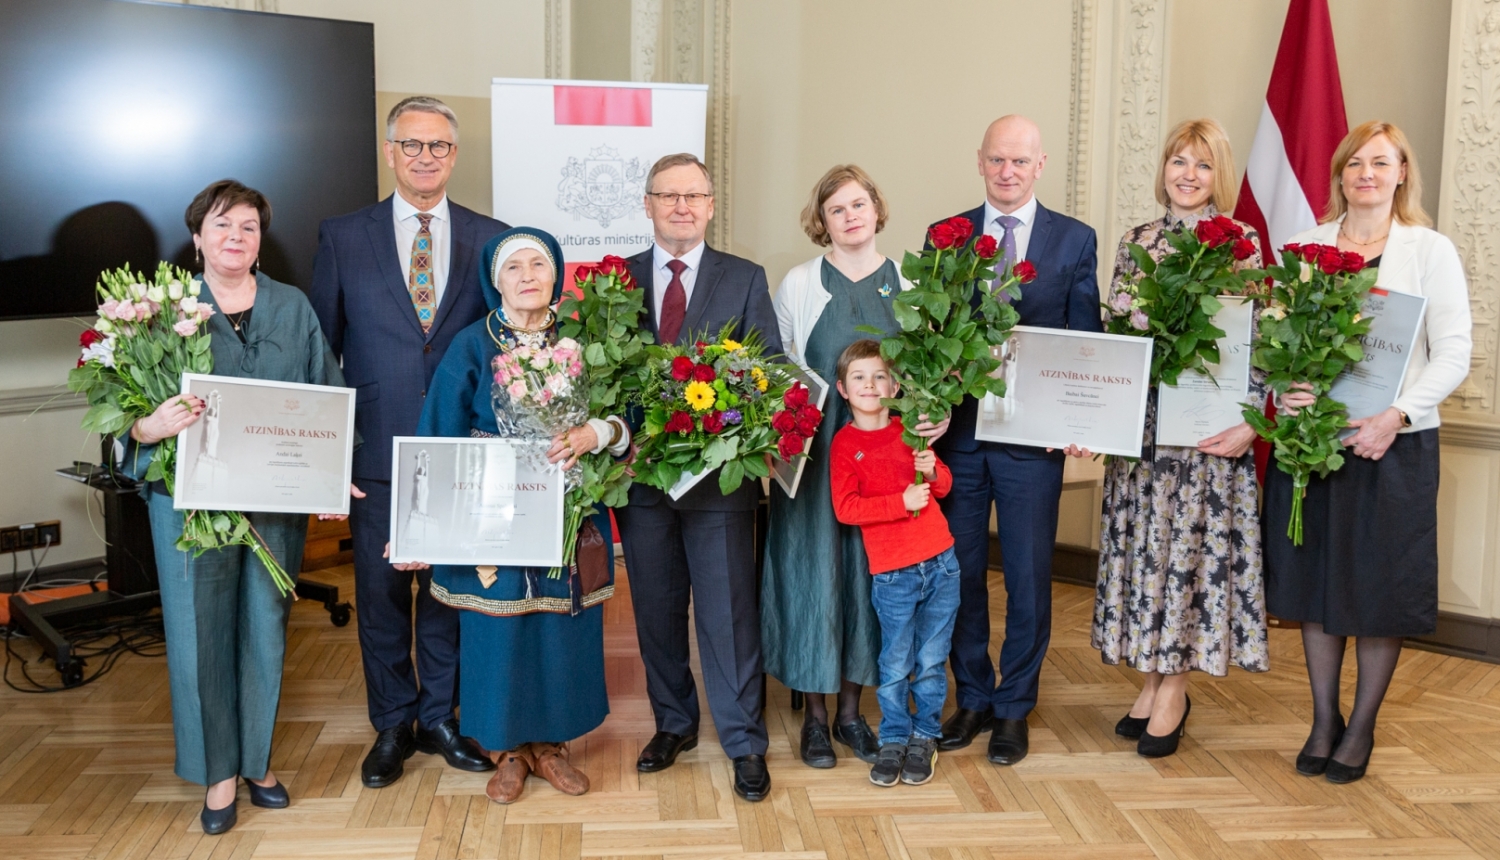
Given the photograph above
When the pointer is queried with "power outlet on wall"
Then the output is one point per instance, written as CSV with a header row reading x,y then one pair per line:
x,y
30,536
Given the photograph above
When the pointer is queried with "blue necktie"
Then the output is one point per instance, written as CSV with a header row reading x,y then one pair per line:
x,y
1008,255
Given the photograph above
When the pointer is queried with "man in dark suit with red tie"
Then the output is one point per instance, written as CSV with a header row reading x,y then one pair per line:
x,y
1023,483
392,284
702,544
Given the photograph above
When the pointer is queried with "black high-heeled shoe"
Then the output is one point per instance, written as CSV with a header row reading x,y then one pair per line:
x,y
1339,773
1309,765
1153,746
216,821
268,797
1131,727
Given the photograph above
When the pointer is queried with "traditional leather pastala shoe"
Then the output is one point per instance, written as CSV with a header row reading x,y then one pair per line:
x,y
384,763
458,751
510,774
550,763
960,729
752,780
1009,742
662,751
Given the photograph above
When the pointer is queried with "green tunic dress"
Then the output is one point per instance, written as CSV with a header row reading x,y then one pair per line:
x,y
817,625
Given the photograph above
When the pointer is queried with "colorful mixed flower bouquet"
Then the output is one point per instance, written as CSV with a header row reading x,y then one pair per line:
x,y
148,334
719,405
1174,301
943,352
1310,332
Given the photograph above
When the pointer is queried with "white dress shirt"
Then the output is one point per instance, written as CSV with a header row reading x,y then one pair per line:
x,y
662,276
1022,231
407,225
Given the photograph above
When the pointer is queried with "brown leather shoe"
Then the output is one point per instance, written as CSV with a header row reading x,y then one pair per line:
x,y
510,775
552,765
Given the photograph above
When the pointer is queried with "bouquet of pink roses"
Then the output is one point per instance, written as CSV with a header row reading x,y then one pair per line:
x,y
149,333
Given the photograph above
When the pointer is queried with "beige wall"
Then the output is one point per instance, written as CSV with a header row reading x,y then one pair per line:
x,y
1393,62
903,89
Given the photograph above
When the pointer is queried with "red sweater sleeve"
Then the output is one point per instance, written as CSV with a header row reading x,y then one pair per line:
x,y
849,506
942,482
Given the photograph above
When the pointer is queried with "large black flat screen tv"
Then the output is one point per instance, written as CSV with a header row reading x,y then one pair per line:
x,y
118,112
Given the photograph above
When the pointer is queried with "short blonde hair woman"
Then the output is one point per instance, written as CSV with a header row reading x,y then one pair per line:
x,y
819,634
1179,586
1369,565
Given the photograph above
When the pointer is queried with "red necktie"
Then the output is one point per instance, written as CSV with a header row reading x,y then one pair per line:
x,y
673,305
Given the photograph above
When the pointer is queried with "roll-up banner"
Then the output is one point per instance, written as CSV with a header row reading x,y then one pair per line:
x,y
571,157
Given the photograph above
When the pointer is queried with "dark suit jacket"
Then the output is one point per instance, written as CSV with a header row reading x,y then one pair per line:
x,y
1065,294
360,294
727,288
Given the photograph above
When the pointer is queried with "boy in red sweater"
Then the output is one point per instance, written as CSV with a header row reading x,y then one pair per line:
x,y
915,591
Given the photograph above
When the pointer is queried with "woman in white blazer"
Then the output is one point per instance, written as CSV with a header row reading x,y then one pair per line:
x,y
819,633
1368,565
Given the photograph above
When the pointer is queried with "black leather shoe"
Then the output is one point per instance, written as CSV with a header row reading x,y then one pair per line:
x,y
661,753
1312,765
1339,773
816,749
216,821
859,739
1131,727
459,752
751,779
960,729
1152,746
1009,742
384,763
270,797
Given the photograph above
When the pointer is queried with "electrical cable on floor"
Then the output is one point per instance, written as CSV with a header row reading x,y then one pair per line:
x,y
101,646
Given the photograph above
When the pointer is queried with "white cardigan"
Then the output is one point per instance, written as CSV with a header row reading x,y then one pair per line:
x,y
1423,262
799,303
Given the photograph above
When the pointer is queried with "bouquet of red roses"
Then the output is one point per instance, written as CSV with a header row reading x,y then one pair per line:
x,y
944,349
1310,332
719,405
1174,301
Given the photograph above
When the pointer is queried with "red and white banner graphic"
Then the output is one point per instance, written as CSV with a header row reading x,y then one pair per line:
x,y
1301,123
571,157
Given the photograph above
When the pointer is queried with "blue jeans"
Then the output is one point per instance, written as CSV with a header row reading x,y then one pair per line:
x,y
916,606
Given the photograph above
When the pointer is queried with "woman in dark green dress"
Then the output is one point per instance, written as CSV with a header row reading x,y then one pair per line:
x,y
819,634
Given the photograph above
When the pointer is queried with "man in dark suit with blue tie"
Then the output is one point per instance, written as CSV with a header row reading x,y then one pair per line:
x,y
1023,483
392,284
702,544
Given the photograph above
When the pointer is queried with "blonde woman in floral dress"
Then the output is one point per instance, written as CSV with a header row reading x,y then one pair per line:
x,y
1180,585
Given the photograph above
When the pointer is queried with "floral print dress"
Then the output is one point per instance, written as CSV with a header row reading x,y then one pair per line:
x,y
1180,584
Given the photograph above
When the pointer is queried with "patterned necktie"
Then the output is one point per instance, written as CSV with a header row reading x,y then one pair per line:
x,y
673,304
1008,255
420,280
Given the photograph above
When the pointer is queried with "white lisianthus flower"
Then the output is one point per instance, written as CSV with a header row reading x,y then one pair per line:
x,y
174,291
189,305
194,287
138,291
104,325
156,293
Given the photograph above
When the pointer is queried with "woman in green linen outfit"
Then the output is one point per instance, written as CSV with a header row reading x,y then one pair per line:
x,y
225,620
819,634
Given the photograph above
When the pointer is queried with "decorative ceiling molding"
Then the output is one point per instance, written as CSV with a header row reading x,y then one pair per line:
x,y
1469,207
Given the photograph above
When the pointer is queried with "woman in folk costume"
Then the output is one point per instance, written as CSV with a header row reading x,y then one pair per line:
x,y
531,662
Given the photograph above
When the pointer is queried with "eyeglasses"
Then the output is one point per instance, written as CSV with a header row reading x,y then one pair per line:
x,y
413,148
668,198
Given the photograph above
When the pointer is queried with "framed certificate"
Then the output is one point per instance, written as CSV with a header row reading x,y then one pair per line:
x,y
1199,406
475,502
266,446
1066,388
789,475
1372,385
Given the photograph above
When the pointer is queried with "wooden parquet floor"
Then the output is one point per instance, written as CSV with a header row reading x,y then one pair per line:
x,y
88,774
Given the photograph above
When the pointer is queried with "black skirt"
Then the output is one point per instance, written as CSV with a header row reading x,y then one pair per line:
x,y
1368,564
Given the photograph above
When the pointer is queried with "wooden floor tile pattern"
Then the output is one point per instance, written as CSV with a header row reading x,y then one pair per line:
x,y
88,774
